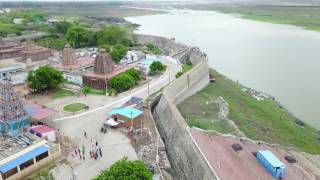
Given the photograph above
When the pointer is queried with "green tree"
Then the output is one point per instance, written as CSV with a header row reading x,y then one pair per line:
x,y
77,36
44,78
134,74
62,27
156,66
122,82
111,35
118,52
125,170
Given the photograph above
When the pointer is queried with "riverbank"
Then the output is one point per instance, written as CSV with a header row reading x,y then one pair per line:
x,y
259,120
307,17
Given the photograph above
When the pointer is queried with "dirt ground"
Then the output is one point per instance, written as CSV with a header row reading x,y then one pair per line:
x,y
242,165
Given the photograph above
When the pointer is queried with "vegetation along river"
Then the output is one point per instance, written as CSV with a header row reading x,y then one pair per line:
x,y
280,60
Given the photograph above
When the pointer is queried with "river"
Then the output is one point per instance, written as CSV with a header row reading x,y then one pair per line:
x,y
281,60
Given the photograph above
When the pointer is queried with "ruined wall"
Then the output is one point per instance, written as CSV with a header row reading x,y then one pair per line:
x,y
169,46
186,159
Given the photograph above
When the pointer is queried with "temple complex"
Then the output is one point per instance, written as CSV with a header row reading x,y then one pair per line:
x,y
13,117
104,70
23,51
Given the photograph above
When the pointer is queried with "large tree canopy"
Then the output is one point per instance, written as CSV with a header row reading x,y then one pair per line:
x,y
63,26
118,52
44,78
77,36
125,170
111,35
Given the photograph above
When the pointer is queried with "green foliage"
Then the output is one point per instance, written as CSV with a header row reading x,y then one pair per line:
x,y
259,120
135,74
53,43
156,67
77,36
44,78
74,107
179,74
7,28
61,93
122,82
62,27
118,52
127,43
86,90
154,49
29,15
112,92
125,81
125,170
111,35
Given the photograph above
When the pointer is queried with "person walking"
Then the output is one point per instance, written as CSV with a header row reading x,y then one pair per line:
x,y
100,151
85,134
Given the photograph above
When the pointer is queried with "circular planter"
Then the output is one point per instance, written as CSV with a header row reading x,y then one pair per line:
x,y
74,107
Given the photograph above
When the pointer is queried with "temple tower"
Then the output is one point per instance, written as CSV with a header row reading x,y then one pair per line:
x,y
103,63
13,117
68,56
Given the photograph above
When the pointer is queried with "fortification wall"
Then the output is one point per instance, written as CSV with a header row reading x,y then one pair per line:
x,y
187,160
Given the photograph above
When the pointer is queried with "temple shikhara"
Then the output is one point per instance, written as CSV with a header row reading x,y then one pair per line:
x,y
23,51
70,61
104,70
13,117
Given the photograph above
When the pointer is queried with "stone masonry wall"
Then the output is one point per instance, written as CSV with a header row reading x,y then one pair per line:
x,y
186,159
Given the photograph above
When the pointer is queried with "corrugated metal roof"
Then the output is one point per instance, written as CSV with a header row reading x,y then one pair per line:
x,y
24,158
270,157
126,112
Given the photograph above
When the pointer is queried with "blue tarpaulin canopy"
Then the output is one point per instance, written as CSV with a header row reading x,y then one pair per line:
x,y
24,158
126,112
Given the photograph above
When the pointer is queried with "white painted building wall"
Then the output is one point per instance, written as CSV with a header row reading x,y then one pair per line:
x,y
74,78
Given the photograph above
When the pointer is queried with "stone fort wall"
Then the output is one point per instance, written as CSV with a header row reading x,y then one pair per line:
x,y
187,160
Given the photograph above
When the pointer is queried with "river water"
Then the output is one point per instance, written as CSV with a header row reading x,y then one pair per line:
x,y
281,60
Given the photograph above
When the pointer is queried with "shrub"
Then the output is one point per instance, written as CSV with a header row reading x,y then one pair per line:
x,y
125,169
179,74
156,67
86,90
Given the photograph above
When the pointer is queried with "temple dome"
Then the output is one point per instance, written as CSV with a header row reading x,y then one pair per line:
x,y
68,56
103,63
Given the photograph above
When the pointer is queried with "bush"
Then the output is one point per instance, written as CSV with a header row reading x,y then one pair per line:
x,y
154,49
125,169
86,90
106,47
112,92
125,81
179,74
156,67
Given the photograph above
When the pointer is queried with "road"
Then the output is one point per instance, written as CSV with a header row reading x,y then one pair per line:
x,y
115,145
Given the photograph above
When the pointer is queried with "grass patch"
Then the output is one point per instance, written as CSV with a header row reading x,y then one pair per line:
x,y
61,93
306,16
74,107
259,120
43,173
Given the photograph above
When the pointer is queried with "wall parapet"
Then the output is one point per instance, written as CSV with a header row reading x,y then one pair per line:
x,y
186,158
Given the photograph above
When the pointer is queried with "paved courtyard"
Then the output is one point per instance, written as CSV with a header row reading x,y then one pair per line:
x,y
114,144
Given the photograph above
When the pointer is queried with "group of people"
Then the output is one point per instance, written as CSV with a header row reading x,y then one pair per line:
x,y
95,150
80,153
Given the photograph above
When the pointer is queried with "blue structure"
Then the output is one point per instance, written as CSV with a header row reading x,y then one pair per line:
x,y
24,158
272,164
129,113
